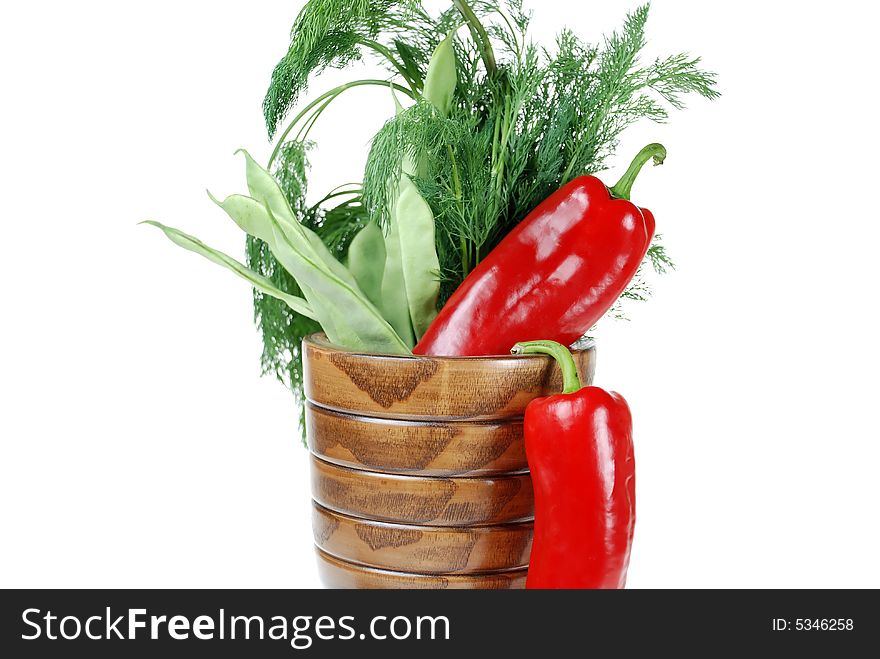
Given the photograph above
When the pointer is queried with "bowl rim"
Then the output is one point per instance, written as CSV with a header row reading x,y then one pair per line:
x,y
319,340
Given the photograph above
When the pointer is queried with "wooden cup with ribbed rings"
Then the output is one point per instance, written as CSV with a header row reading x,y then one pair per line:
x,y
419,472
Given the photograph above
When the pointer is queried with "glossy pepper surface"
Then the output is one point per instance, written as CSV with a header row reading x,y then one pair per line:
x,y
580,452
554,275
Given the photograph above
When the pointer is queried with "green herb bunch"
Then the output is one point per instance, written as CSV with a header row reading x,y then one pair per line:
x,y
523,120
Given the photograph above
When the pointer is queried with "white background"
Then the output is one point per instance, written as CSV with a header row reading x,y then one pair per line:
x,y
141,448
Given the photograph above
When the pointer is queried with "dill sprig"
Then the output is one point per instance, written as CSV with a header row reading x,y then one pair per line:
x,y
335,33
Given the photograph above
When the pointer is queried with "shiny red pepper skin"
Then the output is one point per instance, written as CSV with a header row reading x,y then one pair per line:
x,y
552,277
580,452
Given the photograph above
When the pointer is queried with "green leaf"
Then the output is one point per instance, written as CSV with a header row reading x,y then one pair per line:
x,y
259,282
407,55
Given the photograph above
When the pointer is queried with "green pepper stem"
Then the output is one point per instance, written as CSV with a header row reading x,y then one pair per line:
x,y
570,380
624,186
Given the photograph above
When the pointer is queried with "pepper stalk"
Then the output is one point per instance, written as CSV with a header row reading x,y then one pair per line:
x,y
623,187
571,381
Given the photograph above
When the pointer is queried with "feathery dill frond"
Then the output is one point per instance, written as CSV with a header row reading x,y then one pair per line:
x,y
658,257
619,90
677,75
640,289
336,33
419,133
333,33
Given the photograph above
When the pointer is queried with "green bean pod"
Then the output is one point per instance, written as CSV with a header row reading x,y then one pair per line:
x,y
412,267
366,261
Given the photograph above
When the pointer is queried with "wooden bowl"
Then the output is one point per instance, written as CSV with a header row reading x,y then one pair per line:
x,y
419,473
413,548
336,573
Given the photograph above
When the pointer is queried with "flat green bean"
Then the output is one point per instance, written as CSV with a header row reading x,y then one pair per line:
x,y
193,244
412,262
344,312
366,261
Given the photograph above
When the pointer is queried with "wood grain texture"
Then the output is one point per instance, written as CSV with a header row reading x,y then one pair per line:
x,y
422,549
418,448
419,471
335,573
419,388
423,500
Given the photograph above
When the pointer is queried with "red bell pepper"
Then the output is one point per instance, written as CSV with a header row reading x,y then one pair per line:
x,y
580,452
554,275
